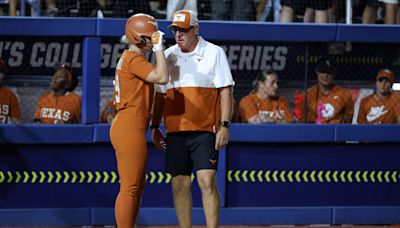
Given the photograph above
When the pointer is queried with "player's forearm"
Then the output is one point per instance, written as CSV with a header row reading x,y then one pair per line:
x,y
158,109
161,68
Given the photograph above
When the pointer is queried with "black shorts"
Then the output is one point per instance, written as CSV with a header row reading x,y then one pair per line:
x,y
300,6
190,150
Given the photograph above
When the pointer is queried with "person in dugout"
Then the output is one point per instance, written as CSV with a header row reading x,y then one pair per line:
x,y
9,106
263,104
133,98
326,102
62,105
382,107
108,113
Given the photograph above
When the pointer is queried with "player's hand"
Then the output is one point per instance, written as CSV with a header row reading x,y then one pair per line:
x,y
222,137
158,139
157,40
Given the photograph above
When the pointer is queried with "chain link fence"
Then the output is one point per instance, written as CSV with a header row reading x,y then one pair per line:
x,y
325,11
31,64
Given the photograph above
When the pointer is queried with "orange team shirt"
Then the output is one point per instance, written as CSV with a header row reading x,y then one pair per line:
x,y
337,105
373,111
108,110
275,109
193,101
66,108
9,106
131,90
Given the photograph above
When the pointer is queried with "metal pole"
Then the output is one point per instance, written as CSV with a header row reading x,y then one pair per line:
x,y
38,7
349,12
349,20
23,9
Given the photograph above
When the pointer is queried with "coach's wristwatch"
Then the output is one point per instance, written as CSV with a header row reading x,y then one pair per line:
x,y
226,124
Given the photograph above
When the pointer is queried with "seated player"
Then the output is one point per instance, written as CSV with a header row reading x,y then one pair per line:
x,y
264,105
62,105
328,103
382,107
9,106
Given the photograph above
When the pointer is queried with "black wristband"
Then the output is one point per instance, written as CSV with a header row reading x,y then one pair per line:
x,y
155,126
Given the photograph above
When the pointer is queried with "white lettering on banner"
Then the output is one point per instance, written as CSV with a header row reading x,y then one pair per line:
x,y
233,55
280,57
256,64
118,48
75,56
105,52
110,54
240,57
64,54
49,55
1,48
248,57
266,58
37,61
16,52
52,54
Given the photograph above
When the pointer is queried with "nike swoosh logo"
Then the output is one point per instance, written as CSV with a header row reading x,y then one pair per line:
x,y
372,117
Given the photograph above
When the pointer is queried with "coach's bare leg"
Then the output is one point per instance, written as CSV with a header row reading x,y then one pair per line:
x,y
208,184
369,15
182,200
287,14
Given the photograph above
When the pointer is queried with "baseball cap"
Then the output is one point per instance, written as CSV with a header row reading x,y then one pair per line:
x,y
184,19
386,73
326,65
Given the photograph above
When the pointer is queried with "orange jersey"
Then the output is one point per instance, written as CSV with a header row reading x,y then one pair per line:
x,y
131,90
373,111
335,107
192,109
276,109
51,109
193,102
9,106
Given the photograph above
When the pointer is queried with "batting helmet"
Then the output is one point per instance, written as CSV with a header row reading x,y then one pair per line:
x,y
140,25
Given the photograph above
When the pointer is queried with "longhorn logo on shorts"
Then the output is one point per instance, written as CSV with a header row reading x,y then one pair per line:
x,y
213,162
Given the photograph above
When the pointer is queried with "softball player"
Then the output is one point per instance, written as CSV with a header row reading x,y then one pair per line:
x,y
61,105
9,106
133,99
